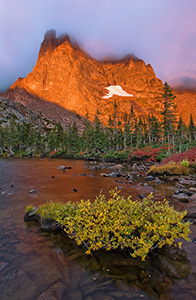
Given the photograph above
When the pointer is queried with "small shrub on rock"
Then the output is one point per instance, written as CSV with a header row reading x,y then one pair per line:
x,y
119,223
29,208
171,168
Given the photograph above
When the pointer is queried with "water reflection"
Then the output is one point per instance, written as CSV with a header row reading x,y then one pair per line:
x,y
34,263
119,276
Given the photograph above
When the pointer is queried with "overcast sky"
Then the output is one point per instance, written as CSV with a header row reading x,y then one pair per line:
x,y
161,32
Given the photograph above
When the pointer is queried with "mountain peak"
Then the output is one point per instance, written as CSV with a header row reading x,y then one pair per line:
x,y
66,75
51,42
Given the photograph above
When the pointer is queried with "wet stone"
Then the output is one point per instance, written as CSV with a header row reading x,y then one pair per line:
x,y
118,167
3,264
182,197
75,295
78,274
55,292
193,197
13,284
42,267
32,191
158,180
194,240
23,248
187,181
129,177
185,296
89,298
149,178
180,186
98,295
191,210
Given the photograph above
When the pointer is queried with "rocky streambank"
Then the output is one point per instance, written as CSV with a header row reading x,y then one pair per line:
x,y
181,188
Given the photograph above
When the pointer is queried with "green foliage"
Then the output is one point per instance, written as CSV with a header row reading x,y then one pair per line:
x,y
27,154
168,112
56,211
115,155
185,163
29,208
119,223
194,167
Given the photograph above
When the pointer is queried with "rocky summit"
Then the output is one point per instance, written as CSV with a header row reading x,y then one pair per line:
x,y
67,76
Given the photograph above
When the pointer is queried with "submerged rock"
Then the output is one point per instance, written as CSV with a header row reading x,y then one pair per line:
x,y
49,225
55,292
14,283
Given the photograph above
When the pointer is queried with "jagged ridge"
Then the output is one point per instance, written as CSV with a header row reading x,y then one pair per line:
x,y
66,75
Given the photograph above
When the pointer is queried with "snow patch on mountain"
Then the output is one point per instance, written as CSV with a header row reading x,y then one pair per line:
x,y
116,90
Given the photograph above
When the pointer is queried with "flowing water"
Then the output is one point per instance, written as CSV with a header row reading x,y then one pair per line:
x,y
34,263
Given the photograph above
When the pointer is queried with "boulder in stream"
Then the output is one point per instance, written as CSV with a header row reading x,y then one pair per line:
x,y
187,181
182,197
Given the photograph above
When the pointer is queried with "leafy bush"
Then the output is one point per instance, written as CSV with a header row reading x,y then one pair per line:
x,y
5,154
115,155
171,168
119,223
29,208
27,154
185,163
194,166
189,155
150,154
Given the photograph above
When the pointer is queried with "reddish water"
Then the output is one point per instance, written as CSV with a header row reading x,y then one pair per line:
x,y
31,261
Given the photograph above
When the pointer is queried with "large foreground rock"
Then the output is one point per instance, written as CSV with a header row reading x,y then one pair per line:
x,y
191,210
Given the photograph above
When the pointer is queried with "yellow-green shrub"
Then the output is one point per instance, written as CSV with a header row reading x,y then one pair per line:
x,y
119,223
29,208
185,163
171,168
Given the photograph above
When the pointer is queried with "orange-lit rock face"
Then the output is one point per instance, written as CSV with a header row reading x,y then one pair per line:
x,y
64,74
186,104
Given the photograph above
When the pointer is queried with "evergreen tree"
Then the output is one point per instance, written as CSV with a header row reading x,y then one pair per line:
x,y
179,134
126,132
74,142
133,122
168,113
98,135
191,129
